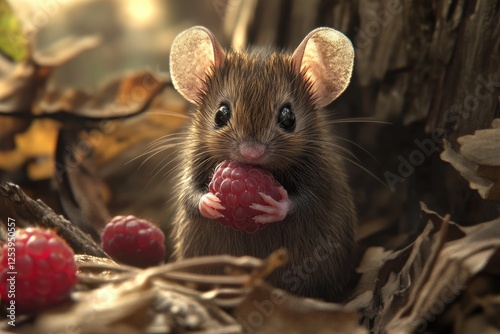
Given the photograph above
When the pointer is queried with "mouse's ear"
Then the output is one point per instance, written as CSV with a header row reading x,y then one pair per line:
x,y
326,57
195,54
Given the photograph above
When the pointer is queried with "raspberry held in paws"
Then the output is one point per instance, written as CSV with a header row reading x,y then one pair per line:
x,y
133,241
45,270
238,187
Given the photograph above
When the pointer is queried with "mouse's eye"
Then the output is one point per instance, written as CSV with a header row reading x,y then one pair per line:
x,y
286,119
222,116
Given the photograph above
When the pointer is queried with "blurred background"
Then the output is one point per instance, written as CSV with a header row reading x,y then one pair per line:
x,y
85,91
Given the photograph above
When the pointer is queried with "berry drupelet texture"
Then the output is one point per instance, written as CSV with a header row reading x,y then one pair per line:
x,y
44,267
238,188
133,241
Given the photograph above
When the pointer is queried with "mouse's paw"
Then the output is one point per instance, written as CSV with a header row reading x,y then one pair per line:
x,y
276,210
209,204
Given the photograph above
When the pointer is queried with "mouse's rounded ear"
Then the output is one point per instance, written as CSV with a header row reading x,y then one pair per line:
x,y
195,54
326,58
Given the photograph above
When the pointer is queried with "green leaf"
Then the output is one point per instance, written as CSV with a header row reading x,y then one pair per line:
x,y
12,40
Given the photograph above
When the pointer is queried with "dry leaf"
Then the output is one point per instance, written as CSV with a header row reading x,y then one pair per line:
x,y
34,148
368,268
25,81
476,310
121,97
270,310
479,160
18,88
415,284
97,312
9,127
483,147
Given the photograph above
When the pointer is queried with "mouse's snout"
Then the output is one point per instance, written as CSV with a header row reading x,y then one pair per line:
x,y
252,152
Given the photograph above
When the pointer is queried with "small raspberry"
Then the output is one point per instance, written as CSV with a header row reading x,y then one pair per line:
x,y
133,241
44,267
238,186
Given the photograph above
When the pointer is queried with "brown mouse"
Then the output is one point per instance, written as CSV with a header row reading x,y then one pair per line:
x,y
264,108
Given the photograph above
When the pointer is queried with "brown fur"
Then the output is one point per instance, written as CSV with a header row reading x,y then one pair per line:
x,y
318,230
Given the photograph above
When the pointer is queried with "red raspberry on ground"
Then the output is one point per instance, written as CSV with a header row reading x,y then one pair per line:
x,y
44,267
133,241
238,186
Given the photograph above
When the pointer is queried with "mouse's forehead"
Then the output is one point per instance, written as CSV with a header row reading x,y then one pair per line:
x,y
259,77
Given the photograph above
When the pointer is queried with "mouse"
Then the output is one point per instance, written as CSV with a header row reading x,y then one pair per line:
x,y
266,107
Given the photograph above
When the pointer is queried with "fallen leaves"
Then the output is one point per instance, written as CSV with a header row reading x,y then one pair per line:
x,y
120,97
478,160
270,310
163,299
26,81
34,147
413,286
26,94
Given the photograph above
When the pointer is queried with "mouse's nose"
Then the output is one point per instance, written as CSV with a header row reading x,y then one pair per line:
x,y
252,151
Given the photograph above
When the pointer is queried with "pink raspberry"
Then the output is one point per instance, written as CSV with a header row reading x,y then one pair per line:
x,y
133,241
238,186
44,267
